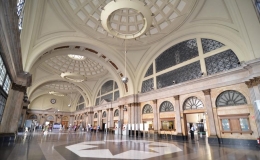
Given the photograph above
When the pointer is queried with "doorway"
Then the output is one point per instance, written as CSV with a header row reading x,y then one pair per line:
x,y
198,121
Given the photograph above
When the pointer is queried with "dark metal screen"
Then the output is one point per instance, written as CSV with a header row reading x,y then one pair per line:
x,y
221,62
147,109
104,114
147,85
177,54
97,101
185,73
95,115
107,87
116,95
116,86
166,106
149,71
230,98
210,45
116,113
81,99
108,96
33,117
192,103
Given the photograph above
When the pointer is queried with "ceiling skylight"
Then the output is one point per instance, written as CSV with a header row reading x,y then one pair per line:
x,y
76,57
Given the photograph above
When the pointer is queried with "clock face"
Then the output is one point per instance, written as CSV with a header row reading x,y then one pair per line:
x,y
53,101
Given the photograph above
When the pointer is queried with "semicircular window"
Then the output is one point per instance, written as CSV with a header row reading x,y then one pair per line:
x,y
33,117
95,115
116,113
104,115
230,98
166,106
192,103
80,104
147,109
109,91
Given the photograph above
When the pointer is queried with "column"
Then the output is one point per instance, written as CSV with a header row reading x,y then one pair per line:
x,y
178,117
71,120
133,119
212,134
24,115
138,118
13,109
129,119
90,117
121,119
107,120
111,125
155,119
99,117
254,89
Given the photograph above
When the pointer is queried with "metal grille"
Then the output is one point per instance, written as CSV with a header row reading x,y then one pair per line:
x,y
33,117
116,86
192,103
185,73
149,71
116,113
2,71
98,93
147,85
97,101
108,97
104,114
81,99
221,62
147,109
166,106
7,84
107,87
210,45
81,106
20,7
2,107
177,54
230,98
116,95
95,115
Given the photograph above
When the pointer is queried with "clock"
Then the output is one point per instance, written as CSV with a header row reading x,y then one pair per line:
x,y
53,101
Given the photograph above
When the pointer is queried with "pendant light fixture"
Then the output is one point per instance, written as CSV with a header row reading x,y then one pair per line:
x,y
125,78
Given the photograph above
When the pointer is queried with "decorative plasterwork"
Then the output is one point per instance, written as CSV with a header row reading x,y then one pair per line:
x,y
167,17
253,82
73,77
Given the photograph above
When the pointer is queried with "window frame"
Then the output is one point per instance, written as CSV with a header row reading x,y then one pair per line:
x,y
233,120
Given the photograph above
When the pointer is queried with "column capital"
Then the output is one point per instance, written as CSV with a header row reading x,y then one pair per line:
x,y
134,104
18,87
91,112
99,110
154,101
111,109
206,92
71,115
253,82
177,97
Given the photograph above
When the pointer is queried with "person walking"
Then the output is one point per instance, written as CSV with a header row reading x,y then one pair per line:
x,y
192,130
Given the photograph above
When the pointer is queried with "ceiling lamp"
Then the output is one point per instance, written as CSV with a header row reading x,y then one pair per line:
x,y
76,57
57,93
138,6
75,77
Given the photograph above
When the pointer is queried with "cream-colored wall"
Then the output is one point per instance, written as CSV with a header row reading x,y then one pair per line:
x,y
43,103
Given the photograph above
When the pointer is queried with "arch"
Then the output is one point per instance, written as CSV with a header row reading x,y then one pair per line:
x,y
116,113
147,109
166,106
95,115
230,98
65,118
50,118
222,34
192,103
104,114
33,116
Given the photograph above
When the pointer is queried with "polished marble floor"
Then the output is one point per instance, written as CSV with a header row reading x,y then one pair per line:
x,y
101,146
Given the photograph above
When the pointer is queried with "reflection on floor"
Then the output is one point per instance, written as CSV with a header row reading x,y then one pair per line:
x,y
90,146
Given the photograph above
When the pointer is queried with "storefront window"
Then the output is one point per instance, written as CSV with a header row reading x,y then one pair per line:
x,y
225,125
167,125
244,124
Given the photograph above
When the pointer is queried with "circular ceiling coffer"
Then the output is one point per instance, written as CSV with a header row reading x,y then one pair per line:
x,y
136,5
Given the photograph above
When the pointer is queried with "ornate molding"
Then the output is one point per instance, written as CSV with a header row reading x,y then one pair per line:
x,y
176,97
253,82
206,92
18,87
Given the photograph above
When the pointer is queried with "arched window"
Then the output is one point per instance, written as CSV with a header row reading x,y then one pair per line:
x,y
147,109
230,98
116,113
219,58
108,91
80,104
95,115
166,106
104,114
33,116
192,103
